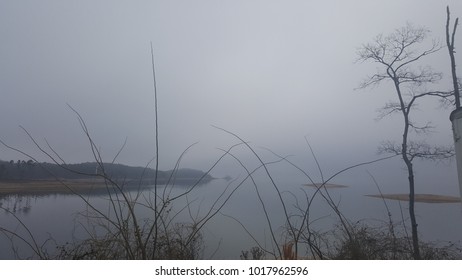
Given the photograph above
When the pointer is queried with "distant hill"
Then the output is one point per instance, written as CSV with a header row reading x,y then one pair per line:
x,y
30,170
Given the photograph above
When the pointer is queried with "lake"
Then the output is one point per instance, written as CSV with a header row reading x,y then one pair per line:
x,y
57,217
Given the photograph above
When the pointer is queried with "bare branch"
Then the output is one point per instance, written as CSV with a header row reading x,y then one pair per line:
x,y
420,150
418,77
373,80
421,129
389,147
395,53
425,151
389,108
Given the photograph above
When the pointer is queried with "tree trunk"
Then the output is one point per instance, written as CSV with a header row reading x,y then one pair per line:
x,y
450,43
415,236
410,171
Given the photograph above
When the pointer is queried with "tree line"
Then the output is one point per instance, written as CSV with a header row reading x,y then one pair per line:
x,y
31,170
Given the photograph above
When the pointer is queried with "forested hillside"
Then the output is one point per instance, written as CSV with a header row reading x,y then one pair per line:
x,y
30,170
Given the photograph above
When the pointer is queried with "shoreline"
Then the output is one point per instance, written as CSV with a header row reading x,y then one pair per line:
x,y
81,186
37,187
424,198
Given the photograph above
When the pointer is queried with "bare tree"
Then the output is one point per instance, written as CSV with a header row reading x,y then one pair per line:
x,y
450,44
397,55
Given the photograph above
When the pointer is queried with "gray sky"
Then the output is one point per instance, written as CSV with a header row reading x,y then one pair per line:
x,y
270,71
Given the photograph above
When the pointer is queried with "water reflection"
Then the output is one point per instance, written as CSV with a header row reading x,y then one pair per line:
x,y
62,217
17,204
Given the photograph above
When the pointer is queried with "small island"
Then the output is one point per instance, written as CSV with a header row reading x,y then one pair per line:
x,y
425,198
327,186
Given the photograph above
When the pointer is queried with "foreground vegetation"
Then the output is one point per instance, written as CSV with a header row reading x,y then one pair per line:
x,y
118,232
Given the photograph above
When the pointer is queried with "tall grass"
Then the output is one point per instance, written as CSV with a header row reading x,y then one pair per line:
x,y
119,232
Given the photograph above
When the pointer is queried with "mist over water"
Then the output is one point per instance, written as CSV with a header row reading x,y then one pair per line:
x,y
273,72
56,216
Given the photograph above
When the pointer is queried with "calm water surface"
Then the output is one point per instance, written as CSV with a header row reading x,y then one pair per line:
x,y
57,216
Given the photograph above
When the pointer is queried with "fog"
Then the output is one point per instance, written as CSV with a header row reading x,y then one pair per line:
x,y
273,72
282,76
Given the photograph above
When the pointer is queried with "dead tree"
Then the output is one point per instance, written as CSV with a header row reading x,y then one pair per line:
x,y
450,44
397,55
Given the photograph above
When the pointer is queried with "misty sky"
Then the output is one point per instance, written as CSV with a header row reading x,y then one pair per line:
x,y
272,72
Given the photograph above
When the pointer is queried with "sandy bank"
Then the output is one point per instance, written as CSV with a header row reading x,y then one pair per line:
x,y
426,198
43,187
